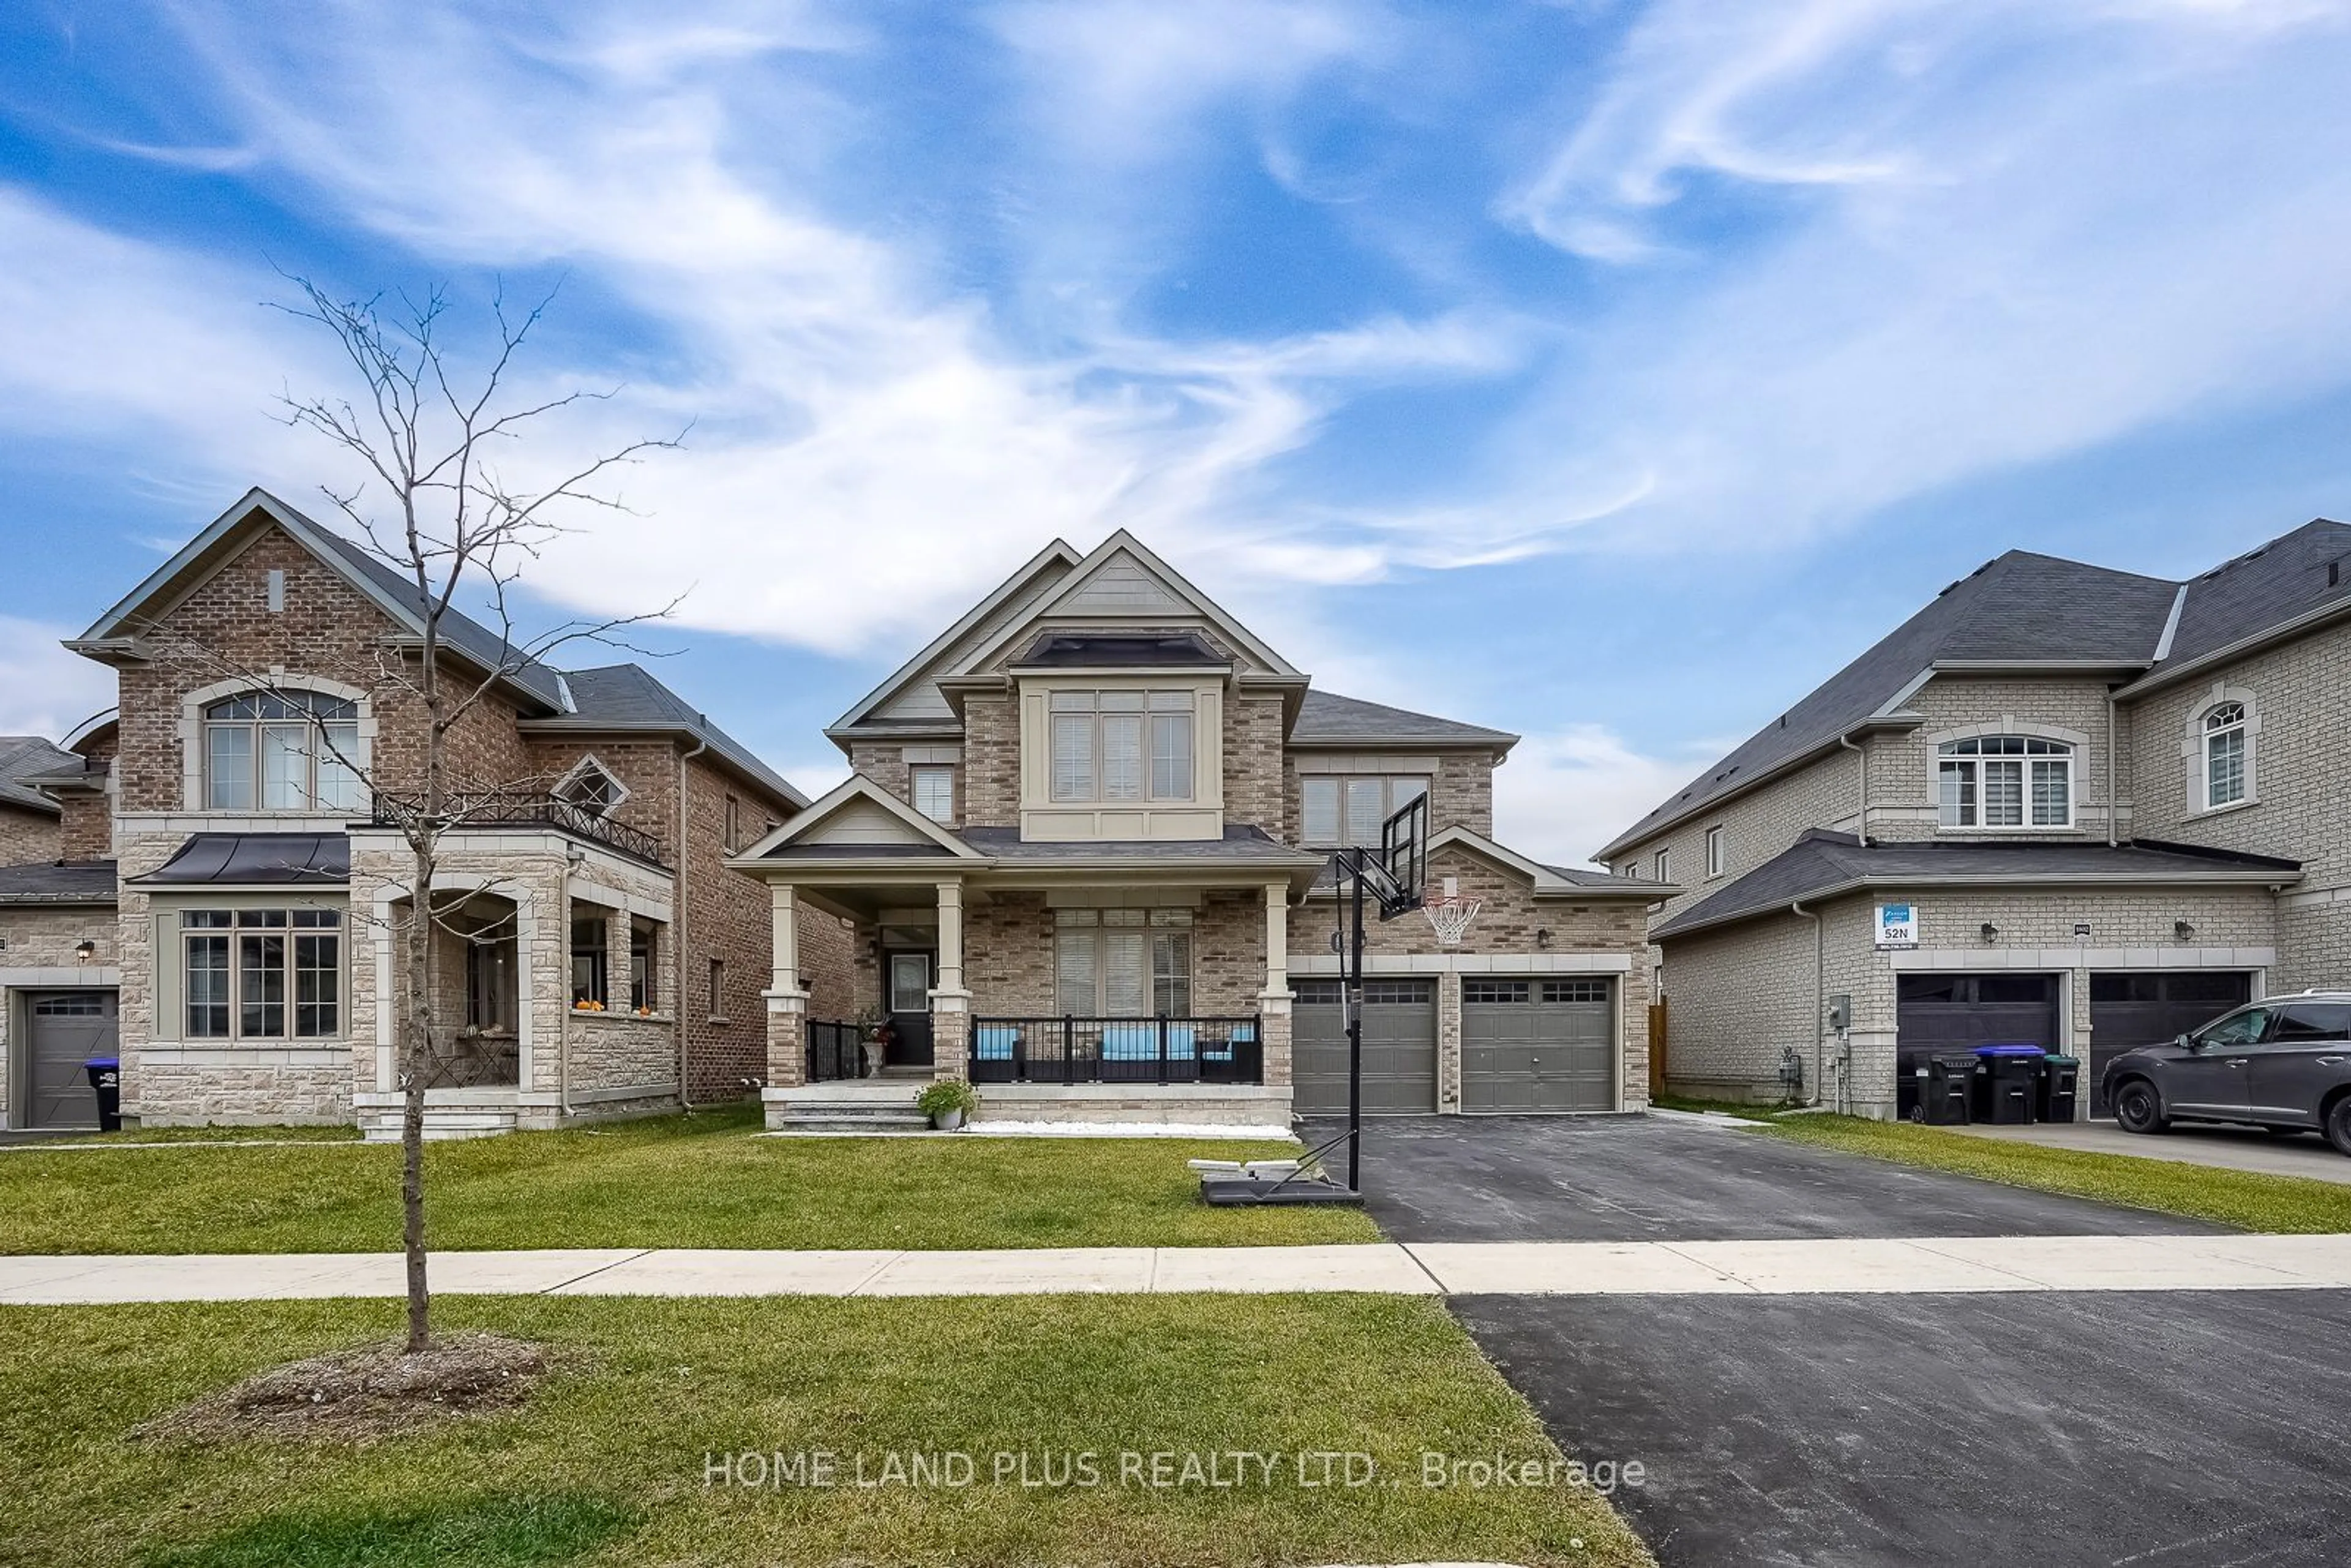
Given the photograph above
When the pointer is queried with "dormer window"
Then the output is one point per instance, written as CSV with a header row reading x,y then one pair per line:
x,y
1121,745
2005,781
592,788
281,751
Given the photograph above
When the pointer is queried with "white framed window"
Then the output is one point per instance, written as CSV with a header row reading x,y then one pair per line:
x,y
281,751
1714,852
934,789
1346,810
1116,746
261,974
1665,863
2004,781
591,787
2227,754
1123,963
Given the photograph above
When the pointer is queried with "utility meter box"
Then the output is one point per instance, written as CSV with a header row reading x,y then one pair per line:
x,y
1841,1011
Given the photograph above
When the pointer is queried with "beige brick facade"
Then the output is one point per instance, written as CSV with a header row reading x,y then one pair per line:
x,y
27,836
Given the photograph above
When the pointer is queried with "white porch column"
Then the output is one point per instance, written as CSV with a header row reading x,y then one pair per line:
x,y
950,1001
787,1002
1273,1002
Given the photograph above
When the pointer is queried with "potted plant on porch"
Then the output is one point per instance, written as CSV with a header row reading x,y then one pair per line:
x,y
948,1102
873,1029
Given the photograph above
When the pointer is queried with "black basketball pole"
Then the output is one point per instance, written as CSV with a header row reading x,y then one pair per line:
x,y
1355,1039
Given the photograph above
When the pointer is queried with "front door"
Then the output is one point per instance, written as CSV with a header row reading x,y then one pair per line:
x,y
908,980
2215,1078
2307,1054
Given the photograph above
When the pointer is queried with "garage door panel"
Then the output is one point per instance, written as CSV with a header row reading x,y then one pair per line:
x,y
1538,1046
2148,1006
64,1028
1399,1047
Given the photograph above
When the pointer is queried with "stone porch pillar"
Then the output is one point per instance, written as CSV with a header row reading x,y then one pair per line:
x,y
1273,1002
787,1001
950,1001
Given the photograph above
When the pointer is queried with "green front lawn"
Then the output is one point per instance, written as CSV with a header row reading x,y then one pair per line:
x,y
2248,1200
610,1460
674,1181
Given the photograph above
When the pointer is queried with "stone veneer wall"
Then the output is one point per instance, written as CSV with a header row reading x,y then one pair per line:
x,y
29,837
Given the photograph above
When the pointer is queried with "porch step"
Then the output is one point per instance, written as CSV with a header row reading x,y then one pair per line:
x,y
846,1115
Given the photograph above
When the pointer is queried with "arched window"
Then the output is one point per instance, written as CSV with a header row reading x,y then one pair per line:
x,y
2005,781
281,751
2224,753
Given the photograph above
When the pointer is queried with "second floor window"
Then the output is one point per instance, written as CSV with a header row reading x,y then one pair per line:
x,y
1665,865
2005,781
281,751
1121,746
934,793
1347,810
2224,755
1714,852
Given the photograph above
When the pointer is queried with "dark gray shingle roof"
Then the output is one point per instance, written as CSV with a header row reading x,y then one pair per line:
x,y
2279,581
1063,650
1326,718
24,757
1820,860
59,882
2020,606
627,697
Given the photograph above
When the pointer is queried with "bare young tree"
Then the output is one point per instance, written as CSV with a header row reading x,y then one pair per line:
x,y
426,429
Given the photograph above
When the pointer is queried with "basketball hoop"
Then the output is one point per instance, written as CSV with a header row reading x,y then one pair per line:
x,y
1450,915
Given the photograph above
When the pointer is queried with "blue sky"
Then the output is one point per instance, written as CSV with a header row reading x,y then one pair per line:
x,y
1605,372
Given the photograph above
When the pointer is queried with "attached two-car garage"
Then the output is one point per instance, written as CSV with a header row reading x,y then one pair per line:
x,y
1528,1044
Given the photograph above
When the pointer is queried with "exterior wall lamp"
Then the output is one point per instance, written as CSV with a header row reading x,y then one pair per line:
x,y
2182,930
84,951
1991,932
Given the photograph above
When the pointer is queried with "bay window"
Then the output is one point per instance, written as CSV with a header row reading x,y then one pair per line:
x,y
1123,963
2005,781
1346,811
1123,746
261,974
281,751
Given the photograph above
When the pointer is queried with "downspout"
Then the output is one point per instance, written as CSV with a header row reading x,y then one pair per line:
x,y
677,925
1797,908
1862,818
2114,769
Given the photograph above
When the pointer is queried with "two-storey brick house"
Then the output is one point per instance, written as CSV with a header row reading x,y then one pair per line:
x,y
1083,854
599,956
2061,804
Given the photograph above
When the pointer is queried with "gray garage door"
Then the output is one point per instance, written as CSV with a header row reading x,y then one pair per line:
x,y
2147,1008
66,1028
1537,1045
1956,1013
1399,1047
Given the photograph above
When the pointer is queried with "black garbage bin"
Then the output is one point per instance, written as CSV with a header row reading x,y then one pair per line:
x,y
2004,1079
1909,1083
105,1078
1943,1090
2059,1086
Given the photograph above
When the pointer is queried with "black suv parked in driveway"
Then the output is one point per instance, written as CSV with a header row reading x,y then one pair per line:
x,y
2283,1063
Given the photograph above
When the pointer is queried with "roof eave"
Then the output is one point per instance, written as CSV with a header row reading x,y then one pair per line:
x,y
2246,876
2285,631
1639,833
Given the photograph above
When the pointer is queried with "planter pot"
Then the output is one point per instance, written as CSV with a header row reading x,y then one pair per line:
x,y
873,1059
947,1121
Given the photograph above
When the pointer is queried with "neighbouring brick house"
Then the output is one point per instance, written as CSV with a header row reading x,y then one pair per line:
x,y
232,880
2061,804
1083,853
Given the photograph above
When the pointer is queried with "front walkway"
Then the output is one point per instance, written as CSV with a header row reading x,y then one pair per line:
x,y
2229,1148
1818,1266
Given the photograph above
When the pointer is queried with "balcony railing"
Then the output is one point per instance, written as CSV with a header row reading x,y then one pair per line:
x,y
520,808
835,1051
1072,1049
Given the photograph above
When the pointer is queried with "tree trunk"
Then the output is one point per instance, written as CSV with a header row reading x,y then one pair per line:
x,y
416,1051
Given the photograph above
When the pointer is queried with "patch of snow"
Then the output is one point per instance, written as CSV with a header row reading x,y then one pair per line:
x,y
1262,1132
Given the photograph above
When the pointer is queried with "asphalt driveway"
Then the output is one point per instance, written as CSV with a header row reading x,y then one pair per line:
x,y
1636,1179
2158,1430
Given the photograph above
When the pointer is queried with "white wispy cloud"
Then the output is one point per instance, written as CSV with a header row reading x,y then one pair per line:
x,y
44,690
1563,794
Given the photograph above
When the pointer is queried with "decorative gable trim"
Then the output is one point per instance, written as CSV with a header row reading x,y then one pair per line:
x,y
866,814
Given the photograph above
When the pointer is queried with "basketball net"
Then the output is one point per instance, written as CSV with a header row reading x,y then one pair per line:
x,y
1449,914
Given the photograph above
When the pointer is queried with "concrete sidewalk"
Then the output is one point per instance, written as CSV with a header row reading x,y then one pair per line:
x,y
1929,1265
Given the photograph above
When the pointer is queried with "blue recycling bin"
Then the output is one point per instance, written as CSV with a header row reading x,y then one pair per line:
x,y
2006,1081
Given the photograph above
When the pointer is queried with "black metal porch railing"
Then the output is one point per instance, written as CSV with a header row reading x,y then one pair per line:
x,y
521,809
835,1051
1072,1049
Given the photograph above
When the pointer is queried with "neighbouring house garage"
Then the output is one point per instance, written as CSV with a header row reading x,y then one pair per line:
x,y
2144,1008
65,1028
1959,1012
1537,1045
1399,1047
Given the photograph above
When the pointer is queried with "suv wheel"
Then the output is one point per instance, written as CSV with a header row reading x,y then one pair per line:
x,y
2139,1109
2338,1125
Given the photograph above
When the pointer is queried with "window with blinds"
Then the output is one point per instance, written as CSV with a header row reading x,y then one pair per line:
x,y
1345,811
2005,781
1118,746
1123,963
